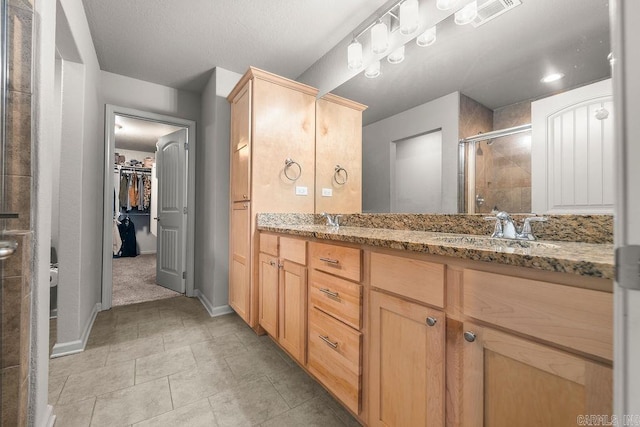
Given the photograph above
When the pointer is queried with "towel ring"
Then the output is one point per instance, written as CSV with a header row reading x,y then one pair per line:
x,y
287,164
337,176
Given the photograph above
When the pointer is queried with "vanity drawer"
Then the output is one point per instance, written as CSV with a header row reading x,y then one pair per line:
x,y
581,319
408,277
269,244
338,260
339,298
334,357
294,250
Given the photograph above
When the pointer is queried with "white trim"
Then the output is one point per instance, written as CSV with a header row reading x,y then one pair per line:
x,y
213,311
148,252
107,254
49,417
77,346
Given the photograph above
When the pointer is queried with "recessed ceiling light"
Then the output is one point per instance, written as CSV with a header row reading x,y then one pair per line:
x,y
552,77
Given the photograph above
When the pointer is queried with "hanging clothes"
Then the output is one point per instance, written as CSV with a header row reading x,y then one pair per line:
x,y
154,201
147,192
117,240
123,191
133,191
116,192
141,192
128,235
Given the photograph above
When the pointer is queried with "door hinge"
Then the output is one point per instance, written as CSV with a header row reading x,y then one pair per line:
x,y
186,146
628,267
184,210
184,274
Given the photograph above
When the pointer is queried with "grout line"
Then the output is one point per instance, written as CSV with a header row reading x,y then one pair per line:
x,y
93,410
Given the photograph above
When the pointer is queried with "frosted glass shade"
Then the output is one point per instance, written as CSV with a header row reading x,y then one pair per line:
x,y
427,38
354,55
446,4
397,56
379,38
373,70
409,17
467,14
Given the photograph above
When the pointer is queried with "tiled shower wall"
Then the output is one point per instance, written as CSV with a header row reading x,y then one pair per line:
x,y
16,271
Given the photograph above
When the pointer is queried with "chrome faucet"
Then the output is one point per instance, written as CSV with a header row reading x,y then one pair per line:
x,y
505,228
332,221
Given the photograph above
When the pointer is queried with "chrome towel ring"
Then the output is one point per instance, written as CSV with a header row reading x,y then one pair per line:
x,y
287,164
340,178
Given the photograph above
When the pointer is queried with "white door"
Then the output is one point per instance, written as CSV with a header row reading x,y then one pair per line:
x,y
626,39
171,219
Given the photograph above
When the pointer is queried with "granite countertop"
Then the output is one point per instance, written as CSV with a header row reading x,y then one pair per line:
x,y
586,259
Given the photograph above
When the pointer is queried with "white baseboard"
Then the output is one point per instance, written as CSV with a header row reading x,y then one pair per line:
x,y
49,417
76,346
148,252
213,311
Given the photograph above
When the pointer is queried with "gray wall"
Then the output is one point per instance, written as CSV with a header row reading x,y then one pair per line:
x,y
212,193
441,113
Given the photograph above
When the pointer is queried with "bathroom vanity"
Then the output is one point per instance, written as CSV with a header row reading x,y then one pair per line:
x,y
425,328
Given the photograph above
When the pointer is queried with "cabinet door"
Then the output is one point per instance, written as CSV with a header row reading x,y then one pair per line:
x,y
511,381
293,308
407,384
240,260
240,144
268,289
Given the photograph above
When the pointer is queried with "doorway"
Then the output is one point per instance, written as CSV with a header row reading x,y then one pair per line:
x,y
148,189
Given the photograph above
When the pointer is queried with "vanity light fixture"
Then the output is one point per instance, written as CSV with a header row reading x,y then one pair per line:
x,y
552,77
354,55
409,17
427,38
373,70
467,14
446,4
397,56
379,38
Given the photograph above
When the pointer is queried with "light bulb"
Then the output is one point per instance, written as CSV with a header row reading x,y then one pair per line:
x,y
427,38
397,56
467,14
379,38
373,70
409,17
354,55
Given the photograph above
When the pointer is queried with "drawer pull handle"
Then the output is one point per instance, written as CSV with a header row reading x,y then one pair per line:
x,y
329,293
469,336
330,261
328,341
431,321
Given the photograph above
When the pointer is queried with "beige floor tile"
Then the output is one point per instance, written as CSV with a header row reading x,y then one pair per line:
x,y
295,386
217,349
112,336
163,364
197,414
96,382
187,336
313,413
259,361
194,384
344,415
129,317
159,326
134,349
133,404
76,414
248,404
76,363
226,325
55,388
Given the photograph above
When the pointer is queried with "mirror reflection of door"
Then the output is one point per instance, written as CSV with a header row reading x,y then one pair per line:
x,y
137,241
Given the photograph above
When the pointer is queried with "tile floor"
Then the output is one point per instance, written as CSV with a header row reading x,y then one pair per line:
x,y
167,363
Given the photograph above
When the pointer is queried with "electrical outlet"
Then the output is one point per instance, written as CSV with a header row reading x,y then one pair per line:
x,y
301,191
327,192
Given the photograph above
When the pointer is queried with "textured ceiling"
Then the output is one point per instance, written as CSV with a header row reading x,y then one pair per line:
x,y
177,43
497,64
140,135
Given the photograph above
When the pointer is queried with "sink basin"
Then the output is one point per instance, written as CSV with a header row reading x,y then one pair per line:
x,y
486,241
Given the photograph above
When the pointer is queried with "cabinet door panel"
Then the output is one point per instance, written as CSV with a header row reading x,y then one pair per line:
x,y
240,269
406,364
268,289
512,381
292,310
241,144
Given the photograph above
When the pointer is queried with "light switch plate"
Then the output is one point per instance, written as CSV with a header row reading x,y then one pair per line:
x,y
327,192
301,191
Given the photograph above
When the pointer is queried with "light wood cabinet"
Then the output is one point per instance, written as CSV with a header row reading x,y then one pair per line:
x,y
240,269
293,310
272,119
407,361
338,145
511,381
268,290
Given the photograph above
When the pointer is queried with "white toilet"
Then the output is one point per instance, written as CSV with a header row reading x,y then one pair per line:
x,y
53,284
53,275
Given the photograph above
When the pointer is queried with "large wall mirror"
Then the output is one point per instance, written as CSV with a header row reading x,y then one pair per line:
x,y
482,78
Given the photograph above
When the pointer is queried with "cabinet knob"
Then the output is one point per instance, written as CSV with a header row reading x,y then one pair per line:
x,y
469,336
272,263
431,321
244,196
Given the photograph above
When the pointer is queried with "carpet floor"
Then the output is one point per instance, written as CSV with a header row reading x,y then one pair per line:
x,y
134,281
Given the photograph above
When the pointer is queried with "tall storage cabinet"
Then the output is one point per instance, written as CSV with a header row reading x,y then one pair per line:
x,y
272,158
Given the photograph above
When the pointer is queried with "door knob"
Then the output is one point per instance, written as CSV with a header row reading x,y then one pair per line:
x,y
431,321
469,336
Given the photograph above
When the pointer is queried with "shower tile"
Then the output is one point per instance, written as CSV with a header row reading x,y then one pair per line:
x,y
19,49
13,265
25,333
11,303
23,413
18,200
18,134
10,396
